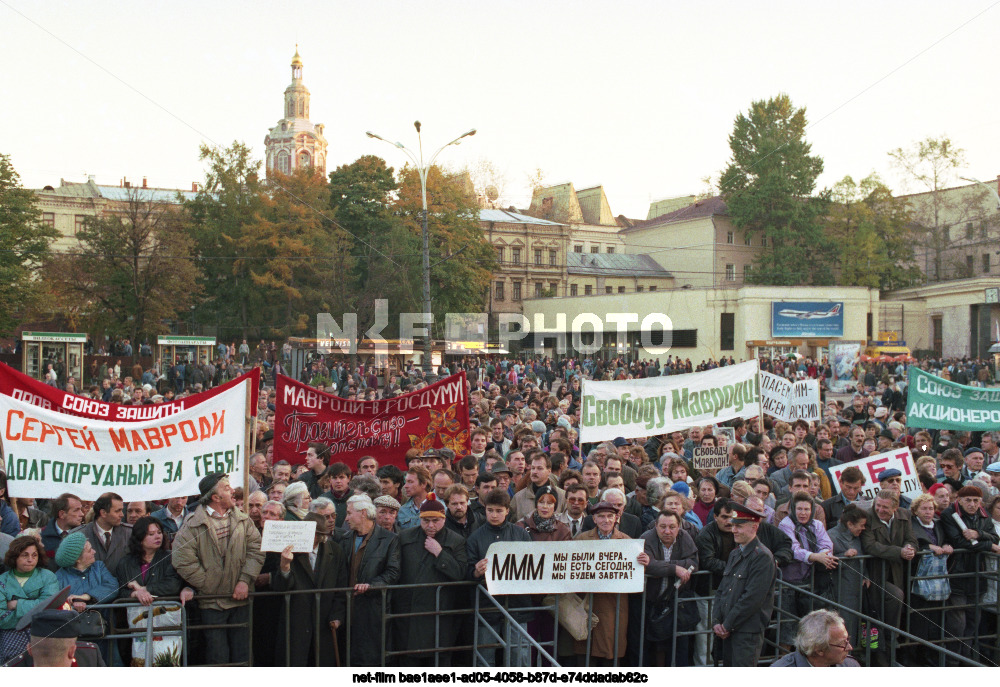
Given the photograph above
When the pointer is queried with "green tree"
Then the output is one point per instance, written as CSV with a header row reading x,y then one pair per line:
x,y
872,234
932,165
462,259
131,269
230,203
383,261
768,187
24,244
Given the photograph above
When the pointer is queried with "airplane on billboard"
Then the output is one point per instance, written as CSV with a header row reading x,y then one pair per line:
x,y
810,314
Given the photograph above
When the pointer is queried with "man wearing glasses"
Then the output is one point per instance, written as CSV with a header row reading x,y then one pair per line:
x,y
821,642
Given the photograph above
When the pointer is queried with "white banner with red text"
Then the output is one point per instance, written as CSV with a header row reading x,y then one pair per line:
x,y
49,453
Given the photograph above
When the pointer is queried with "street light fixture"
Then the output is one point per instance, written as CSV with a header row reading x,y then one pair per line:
x,y
422,169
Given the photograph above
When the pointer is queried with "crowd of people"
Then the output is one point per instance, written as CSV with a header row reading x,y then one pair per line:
x,y
411,540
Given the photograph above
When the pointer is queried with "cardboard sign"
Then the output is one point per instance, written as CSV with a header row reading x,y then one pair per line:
x,y
564,566
280,533
899,458
710,457
789,401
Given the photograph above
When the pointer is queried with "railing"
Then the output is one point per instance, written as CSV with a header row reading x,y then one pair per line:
x,y
494,626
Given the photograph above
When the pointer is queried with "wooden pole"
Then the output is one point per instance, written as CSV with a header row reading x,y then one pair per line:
x,y
246,455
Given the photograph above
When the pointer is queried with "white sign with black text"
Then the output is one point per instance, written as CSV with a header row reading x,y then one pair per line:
x,y
559,567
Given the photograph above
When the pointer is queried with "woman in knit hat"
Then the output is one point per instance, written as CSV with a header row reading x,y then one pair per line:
x,y
88,579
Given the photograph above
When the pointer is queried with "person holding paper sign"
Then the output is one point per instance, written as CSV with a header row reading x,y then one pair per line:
x,y
325,567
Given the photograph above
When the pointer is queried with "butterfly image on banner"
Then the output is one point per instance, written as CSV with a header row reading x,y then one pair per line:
x,y
443,425
445,419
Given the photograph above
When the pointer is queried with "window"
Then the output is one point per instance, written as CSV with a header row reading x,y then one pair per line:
x,y
595,249
982,230
573,291
730,272
621,289
577,249
499,291
500,254
78,223
538,257
515,256
968,230
49,218
638,289
727,328
611,250
587,290
748,238
730,237
554,288
517,291
746,272
763,241
538,289
986,263
970,264
608,289
652,288
552,258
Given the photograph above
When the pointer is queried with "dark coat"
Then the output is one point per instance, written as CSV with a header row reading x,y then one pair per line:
x,y
746,594
962,561
710,541
560,533
777,542
331,572
161,578
379,568
684,553
473,521
419,566
887,546
476,547
119,543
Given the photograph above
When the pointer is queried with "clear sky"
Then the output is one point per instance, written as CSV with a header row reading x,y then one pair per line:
x,y
638,96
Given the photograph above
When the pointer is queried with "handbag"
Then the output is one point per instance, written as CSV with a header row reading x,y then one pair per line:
x,y
938,589
572,614
91,625
660,617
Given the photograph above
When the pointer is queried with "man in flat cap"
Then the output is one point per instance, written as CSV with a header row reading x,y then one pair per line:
x,y
892,480
217,550
745,597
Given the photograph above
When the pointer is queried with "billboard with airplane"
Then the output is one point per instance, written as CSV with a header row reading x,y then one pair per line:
x,y
802,319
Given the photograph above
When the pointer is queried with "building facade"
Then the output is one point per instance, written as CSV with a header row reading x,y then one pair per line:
x,y
295,142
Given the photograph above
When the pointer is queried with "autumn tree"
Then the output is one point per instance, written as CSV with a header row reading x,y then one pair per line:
x,y
871,232
131,269
768,187
24,245
931,165
462,259
229,204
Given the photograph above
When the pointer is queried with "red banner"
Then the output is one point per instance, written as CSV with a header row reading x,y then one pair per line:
x,y
437,416
24,388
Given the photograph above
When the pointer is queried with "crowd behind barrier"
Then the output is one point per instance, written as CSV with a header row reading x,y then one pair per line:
x,y
395,577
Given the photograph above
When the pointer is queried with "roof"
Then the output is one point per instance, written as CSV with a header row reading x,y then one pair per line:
x,y
702,208
491,215
154,195
614,264
594,206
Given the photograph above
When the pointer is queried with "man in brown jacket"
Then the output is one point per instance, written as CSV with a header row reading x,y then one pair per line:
x,y
217,551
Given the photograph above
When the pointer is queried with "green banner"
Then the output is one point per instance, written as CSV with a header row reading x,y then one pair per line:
x,y
936,403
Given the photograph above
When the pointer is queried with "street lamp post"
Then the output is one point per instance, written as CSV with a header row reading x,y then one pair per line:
x,y
422,169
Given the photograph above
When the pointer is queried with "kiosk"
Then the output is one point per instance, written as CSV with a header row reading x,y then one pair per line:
x,y
187,348
61,350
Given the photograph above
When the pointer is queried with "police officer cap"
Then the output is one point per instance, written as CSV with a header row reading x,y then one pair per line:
x,y
886,474
55,624
742,513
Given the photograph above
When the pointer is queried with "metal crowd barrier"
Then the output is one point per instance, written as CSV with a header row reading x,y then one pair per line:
x,y
845,594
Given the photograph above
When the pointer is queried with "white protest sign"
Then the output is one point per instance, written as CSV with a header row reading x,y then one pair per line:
x,y
49,452
280,533
870,467
633,408
710,457
559,567
789,401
